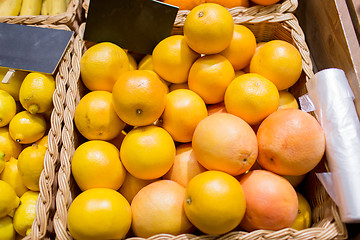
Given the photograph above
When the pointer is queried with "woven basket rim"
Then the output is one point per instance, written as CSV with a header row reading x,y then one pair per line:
x,y
328,229
285,6
48,176
67,18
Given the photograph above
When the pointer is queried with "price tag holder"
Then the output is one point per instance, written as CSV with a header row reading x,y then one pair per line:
x,y
136,25
32,49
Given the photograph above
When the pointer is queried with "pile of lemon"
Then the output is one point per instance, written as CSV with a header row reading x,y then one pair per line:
x,y
25,108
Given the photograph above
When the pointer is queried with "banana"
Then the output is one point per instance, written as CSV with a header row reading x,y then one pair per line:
x,y
10,7
57,6
45,7
30,7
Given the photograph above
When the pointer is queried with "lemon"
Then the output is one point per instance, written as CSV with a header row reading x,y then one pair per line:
x,y
7,108
13,86
303,218
43,141
31,164
2,161
8,199
12,176
36,92
101,65
25,213
99,213
7,231
27,128
7,145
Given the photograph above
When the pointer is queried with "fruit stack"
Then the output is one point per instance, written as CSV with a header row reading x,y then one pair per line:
x,y
41,12
31,111
204,136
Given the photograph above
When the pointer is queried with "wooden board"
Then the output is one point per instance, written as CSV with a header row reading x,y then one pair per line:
x,y
354,10
331,37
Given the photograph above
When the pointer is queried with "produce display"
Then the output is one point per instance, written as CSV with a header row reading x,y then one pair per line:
x,y
200,137
25,107
32,7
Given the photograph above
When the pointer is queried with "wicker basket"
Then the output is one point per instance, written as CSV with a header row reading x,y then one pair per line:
x,y
42,227
284,6
326,220
71,18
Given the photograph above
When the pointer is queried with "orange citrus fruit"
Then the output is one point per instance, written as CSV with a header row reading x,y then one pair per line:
x,y
265,2
146,63
117,141
101,65
95,117
278,61
96,164
251,97
184,4
242,47
271,201
175,86
214,202
226,143
205,80
148,152
132,186
294,180
91,209
172,59
132,62
159,208
291,142
239,73
185,165
183,111
139,98
208,28
287,100
216,108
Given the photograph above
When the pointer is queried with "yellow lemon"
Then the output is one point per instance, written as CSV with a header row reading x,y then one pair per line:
x,y
8,199
7,108
36,92
27,128
96,164
12,176
2,161
148,152
101,65
7,231
9,147
214,202
132,62
95,117
31,164
13,86
25,213
287,100
99,213
43,141
303,217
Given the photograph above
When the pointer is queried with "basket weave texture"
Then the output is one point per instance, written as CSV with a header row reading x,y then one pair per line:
x,y
266,27
283,7
42,227
71,17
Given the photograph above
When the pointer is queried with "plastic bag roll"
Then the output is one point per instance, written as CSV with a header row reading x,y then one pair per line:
x,y
332,98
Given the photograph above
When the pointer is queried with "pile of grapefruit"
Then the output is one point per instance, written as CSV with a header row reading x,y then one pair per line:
x,y
201,137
